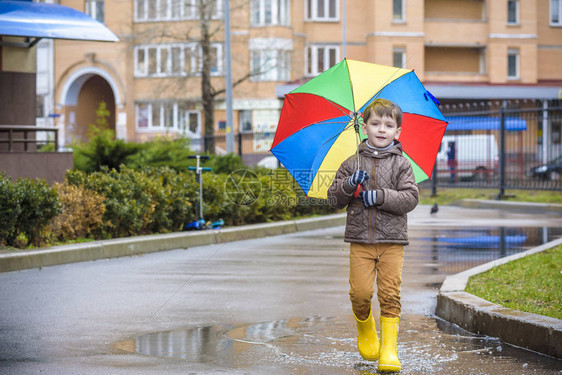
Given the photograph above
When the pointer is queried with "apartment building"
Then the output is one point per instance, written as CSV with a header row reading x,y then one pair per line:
x,y
151,80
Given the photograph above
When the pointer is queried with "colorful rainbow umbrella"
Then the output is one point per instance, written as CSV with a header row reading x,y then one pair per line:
x,y
319,124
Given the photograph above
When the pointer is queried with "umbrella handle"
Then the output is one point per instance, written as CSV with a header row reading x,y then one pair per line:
x,y
357,191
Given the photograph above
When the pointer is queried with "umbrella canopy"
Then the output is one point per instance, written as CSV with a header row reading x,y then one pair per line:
x,y
316,130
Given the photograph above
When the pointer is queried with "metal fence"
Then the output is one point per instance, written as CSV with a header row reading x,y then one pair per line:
x,y
502,145
501,148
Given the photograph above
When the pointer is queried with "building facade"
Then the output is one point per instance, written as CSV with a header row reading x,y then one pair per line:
x,y
151,80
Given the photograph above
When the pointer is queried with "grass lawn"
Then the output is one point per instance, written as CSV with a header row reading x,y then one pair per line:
x,y
450,195
532,284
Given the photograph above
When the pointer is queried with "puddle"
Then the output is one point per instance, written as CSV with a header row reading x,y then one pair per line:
x,y
327,344
426,345
454,250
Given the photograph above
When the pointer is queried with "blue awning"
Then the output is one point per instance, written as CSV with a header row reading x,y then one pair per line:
x,y
484,123
53,21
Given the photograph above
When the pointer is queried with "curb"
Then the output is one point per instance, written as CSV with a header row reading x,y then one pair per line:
x,y
552,208
129,246
531,331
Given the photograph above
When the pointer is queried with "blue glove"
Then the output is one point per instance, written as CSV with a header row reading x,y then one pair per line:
x,y
357,177
368,197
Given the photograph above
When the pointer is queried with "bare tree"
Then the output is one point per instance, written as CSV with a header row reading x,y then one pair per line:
x,y
209,27
209,93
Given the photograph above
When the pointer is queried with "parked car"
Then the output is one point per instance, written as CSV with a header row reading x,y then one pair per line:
x,y
549,171
475,156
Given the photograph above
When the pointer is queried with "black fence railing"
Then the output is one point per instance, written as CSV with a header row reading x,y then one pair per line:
x,y
499,148
502,148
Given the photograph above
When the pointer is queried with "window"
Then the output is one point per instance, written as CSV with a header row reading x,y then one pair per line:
x,y
269,12
556,12
174,60
399,57
398,11
319,58
245,121
513,64
173,10
95,9
270,65
513,12
188,120
168,116
40,106
322,10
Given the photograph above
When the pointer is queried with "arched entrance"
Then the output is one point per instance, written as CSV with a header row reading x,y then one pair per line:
x,y
94,91
81,96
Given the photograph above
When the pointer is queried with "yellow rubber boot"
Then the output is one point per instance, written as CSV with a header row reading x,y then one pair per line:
x,y
367,339
388,360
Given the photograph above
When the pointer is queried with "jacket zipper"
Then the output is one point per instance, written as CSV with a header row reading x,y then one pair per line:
x,y
372,212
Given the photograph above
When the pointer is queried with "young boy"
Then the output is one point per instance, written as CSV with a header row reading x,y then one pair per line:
x,y
377,228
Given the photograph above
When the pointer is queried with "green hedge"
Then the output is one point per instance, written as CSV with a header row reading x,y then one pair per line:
x,y
151,200
140,202
26,207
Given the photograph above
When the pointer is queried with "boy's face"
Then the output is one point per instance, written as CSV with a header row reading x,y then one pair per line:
x,y
381,131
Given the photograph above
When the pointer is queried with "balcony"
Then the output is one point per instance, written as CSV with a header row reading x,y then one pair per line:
x,y
455,32
455,64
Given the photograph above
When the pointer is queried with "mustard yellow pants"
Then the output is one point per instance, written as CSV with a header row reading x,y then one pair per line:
x,y
383,262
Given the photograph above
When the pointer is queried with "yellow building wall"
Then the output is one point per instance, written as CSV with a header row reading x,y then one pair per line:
x,y
549,64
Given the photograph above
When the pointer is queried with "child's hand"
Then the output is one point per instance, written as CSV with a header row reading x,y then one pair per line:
x,y
358,177
368,197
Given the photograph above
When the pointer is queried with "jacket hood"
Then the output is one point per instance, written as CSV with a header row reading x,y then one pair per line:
x,y
365,150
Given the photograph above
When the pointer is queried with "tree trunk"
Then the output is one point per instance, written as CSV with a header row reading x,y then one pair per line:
x,y
206,88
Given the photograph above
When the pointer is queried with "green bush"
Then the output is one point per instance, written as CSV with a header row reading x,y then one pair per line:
x,y
103,150
174,199
141,202
226,164
128,201
163,152
26,207
81,214
10,209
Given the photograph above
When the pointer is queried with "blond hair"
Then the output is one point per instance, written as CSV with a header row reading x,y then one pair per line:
x,y
382,108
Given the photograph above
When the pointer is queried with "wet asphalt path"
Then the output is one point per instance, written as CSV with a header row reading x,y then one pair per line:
x,y
277,305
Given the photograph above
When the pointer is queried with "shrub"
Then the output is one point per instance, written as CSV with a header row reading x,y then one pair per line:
x,y
128,202
226,164
140,202
173,196
26,207
163,152
9,210
81,215
103,150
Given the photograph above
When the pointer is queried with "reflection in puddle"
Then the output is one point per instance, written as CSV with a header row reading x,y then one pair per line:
x,y
426,345
456,250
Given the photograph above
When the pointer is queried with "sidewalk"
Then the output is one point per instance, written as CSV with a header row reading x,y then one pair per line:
x,y
129,246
